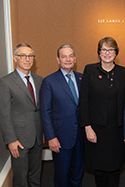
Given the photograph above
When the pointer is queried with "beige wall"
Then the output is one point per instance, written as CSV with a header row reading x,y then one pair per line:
x,y
47,24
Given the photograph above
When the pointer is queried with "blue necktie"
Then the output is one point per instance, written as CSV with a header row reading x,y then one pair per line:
x,y
72,87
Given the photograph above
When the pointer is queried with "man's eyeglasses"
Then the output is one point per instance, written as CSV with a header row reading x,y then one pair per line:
x,y
23,57
107,50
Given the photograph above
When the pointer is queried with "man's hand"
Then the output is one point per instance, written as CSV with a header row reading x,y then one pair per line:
x,y
13,147
90,134
54,145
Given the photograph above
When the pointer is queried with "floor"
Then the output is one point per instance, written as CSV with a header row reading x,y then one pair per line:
x,y
87,181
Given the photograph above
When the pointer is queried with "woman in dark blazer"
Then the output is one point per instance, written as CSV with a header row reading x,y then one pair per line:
x,y
101,111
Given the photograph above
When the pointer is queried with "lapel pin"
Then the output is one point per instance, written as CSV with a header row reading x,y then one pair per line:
x,y
80,78
100,76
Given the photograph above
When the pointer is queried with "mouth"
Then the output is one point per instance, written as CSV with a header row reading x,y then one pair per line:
x,y
107,57
68,63
27,64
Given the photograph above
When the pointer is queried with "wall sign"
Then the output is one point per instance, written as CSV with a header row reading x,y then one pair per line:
x,y
118,21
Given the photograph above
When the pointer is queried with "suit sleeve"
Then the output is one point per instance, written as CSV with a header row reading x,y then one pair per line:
x,y
46,109
85,98
6,123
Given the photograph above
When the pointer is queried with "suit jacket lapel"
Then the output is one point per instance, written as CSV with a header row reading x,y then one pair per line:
x,y
21,84
78,80
64,84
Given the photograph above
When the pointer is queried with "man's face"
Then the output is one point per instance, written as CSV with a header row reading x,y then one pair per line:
x,y
24,65
66,59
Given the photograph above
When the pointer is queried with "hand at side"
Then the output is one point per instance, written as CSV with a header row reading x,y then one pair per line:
x,y
13,147
54,145
90,134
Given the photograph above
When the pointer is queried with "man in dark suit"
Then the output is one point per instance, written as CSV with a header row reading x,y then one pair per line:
x,y
60,118
20,121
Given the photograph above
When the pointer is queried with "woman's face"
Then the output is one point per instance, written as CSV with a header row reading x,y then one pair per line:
x,y
107,54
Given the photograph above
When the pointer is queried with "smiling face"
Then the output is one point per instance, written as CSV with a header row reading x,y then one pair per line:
x,y
24,65
107,54
66,59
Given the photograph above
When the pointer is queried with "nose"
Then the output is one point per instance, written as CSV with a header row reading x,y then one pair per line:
x,y
27,58
107,51
68,58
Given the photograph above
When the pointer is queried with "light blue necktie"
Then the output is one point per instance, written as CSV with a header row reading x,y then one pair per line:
x,y
72,87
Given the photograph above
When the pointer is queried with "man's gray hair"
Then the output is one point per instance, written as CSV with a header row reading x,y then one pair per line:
x,y
22,45
65,46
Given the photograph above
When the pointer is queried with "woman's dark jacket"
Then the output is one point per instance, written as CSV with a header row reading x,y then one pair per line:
x,y
94,94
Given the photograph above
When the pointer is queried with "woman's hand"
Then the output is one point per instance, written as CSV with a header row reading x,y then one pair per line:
x,y
90,134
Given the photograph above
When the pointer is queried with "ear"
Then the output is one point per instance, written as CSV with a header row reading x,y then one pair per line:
x,y
75,59
14,58
58,61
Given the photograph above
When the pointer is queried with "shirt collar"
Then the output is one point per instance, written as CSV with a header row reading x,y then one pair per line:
x,y
22,75
65,73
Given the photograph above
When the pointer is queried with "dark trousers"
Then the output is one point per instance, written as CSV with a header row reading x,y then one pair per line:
x,y
107,179
27,168
69,165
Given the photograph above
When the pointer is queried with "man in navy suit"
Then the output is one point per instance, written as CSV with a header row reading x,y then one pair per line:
x,y
60,118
